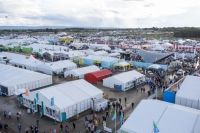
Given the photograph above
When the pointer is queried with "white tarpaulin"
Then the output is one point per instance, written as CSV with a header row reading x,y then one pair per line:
x,y
169,118
30,64
80,72
125,79
20,78
70,97
58,66
189,93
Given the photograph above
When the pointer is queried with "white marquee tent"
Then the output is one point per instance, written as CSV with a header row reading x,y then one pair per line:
x,y
189,93
58,66
12,56
70,97
126,80
169,118
20,78
30,64
80,72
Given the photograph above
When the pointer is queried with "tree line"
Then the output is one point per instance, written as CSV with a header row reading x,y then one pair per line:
x,y
187,33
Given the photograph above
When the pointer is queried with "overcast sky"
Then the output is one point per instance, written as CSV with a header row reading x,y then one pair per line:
x,y
100,13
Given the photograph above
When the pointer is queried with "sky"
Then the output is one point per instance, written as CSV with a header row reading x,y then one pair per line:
x,y
101,13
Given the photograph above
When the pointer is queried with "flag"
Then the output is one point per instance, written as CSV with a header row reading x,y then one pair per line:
x,y
27,92
178,86
155,90
114,116
156,130
37,96
52,101
112,111
0,92
121,117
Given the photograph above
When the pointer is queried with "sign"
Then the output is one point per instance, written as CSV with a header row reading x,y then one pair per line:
x,y
107,129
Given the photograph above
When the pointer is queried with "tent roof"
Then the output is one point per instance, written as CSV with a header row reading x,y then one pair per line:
x,y
101,73
15,76
99,53
87,87
11,56
189,89
150,57
31,61
85,70
169,118
122,64
59,64
101,58
127,76
69,93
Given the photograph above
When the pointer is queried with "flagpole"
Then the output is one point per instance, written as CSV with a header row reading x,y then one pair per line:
x,y
115,118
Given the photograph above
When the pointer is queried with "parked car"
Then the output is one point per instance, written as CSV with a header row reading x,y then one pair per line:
x,y
180,71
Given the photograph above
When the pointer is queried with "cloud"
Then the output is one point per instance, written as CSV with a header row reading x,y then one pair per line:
x,y
113,13
133,0
149,5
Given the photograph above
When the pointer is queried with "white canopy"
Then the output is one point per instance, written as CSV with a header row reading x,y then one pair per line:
x,y
154,66
30,64
80,72
189,93
101,58
58,66
169,118
68,97
100,53
125,79
12,76
12,56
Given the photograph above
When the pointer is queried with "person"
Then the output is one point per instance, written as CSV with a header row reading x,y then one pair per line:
x,y
33,112
4,113
19,112
125,99
132,105
107,114
61,126
26,130
120,100
74,125
137,89
17,115
19,127
86,118
1,127
36,130
9,114
6,126
99,119
54,131
37,122
66,128
87,130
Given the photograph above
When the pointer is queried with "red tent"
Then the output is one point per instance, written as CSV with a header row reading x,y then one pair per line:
x,y
94,77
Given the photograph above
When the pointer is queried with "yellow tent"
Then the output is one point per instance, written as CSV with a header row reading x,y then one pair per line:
x,y
124,65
